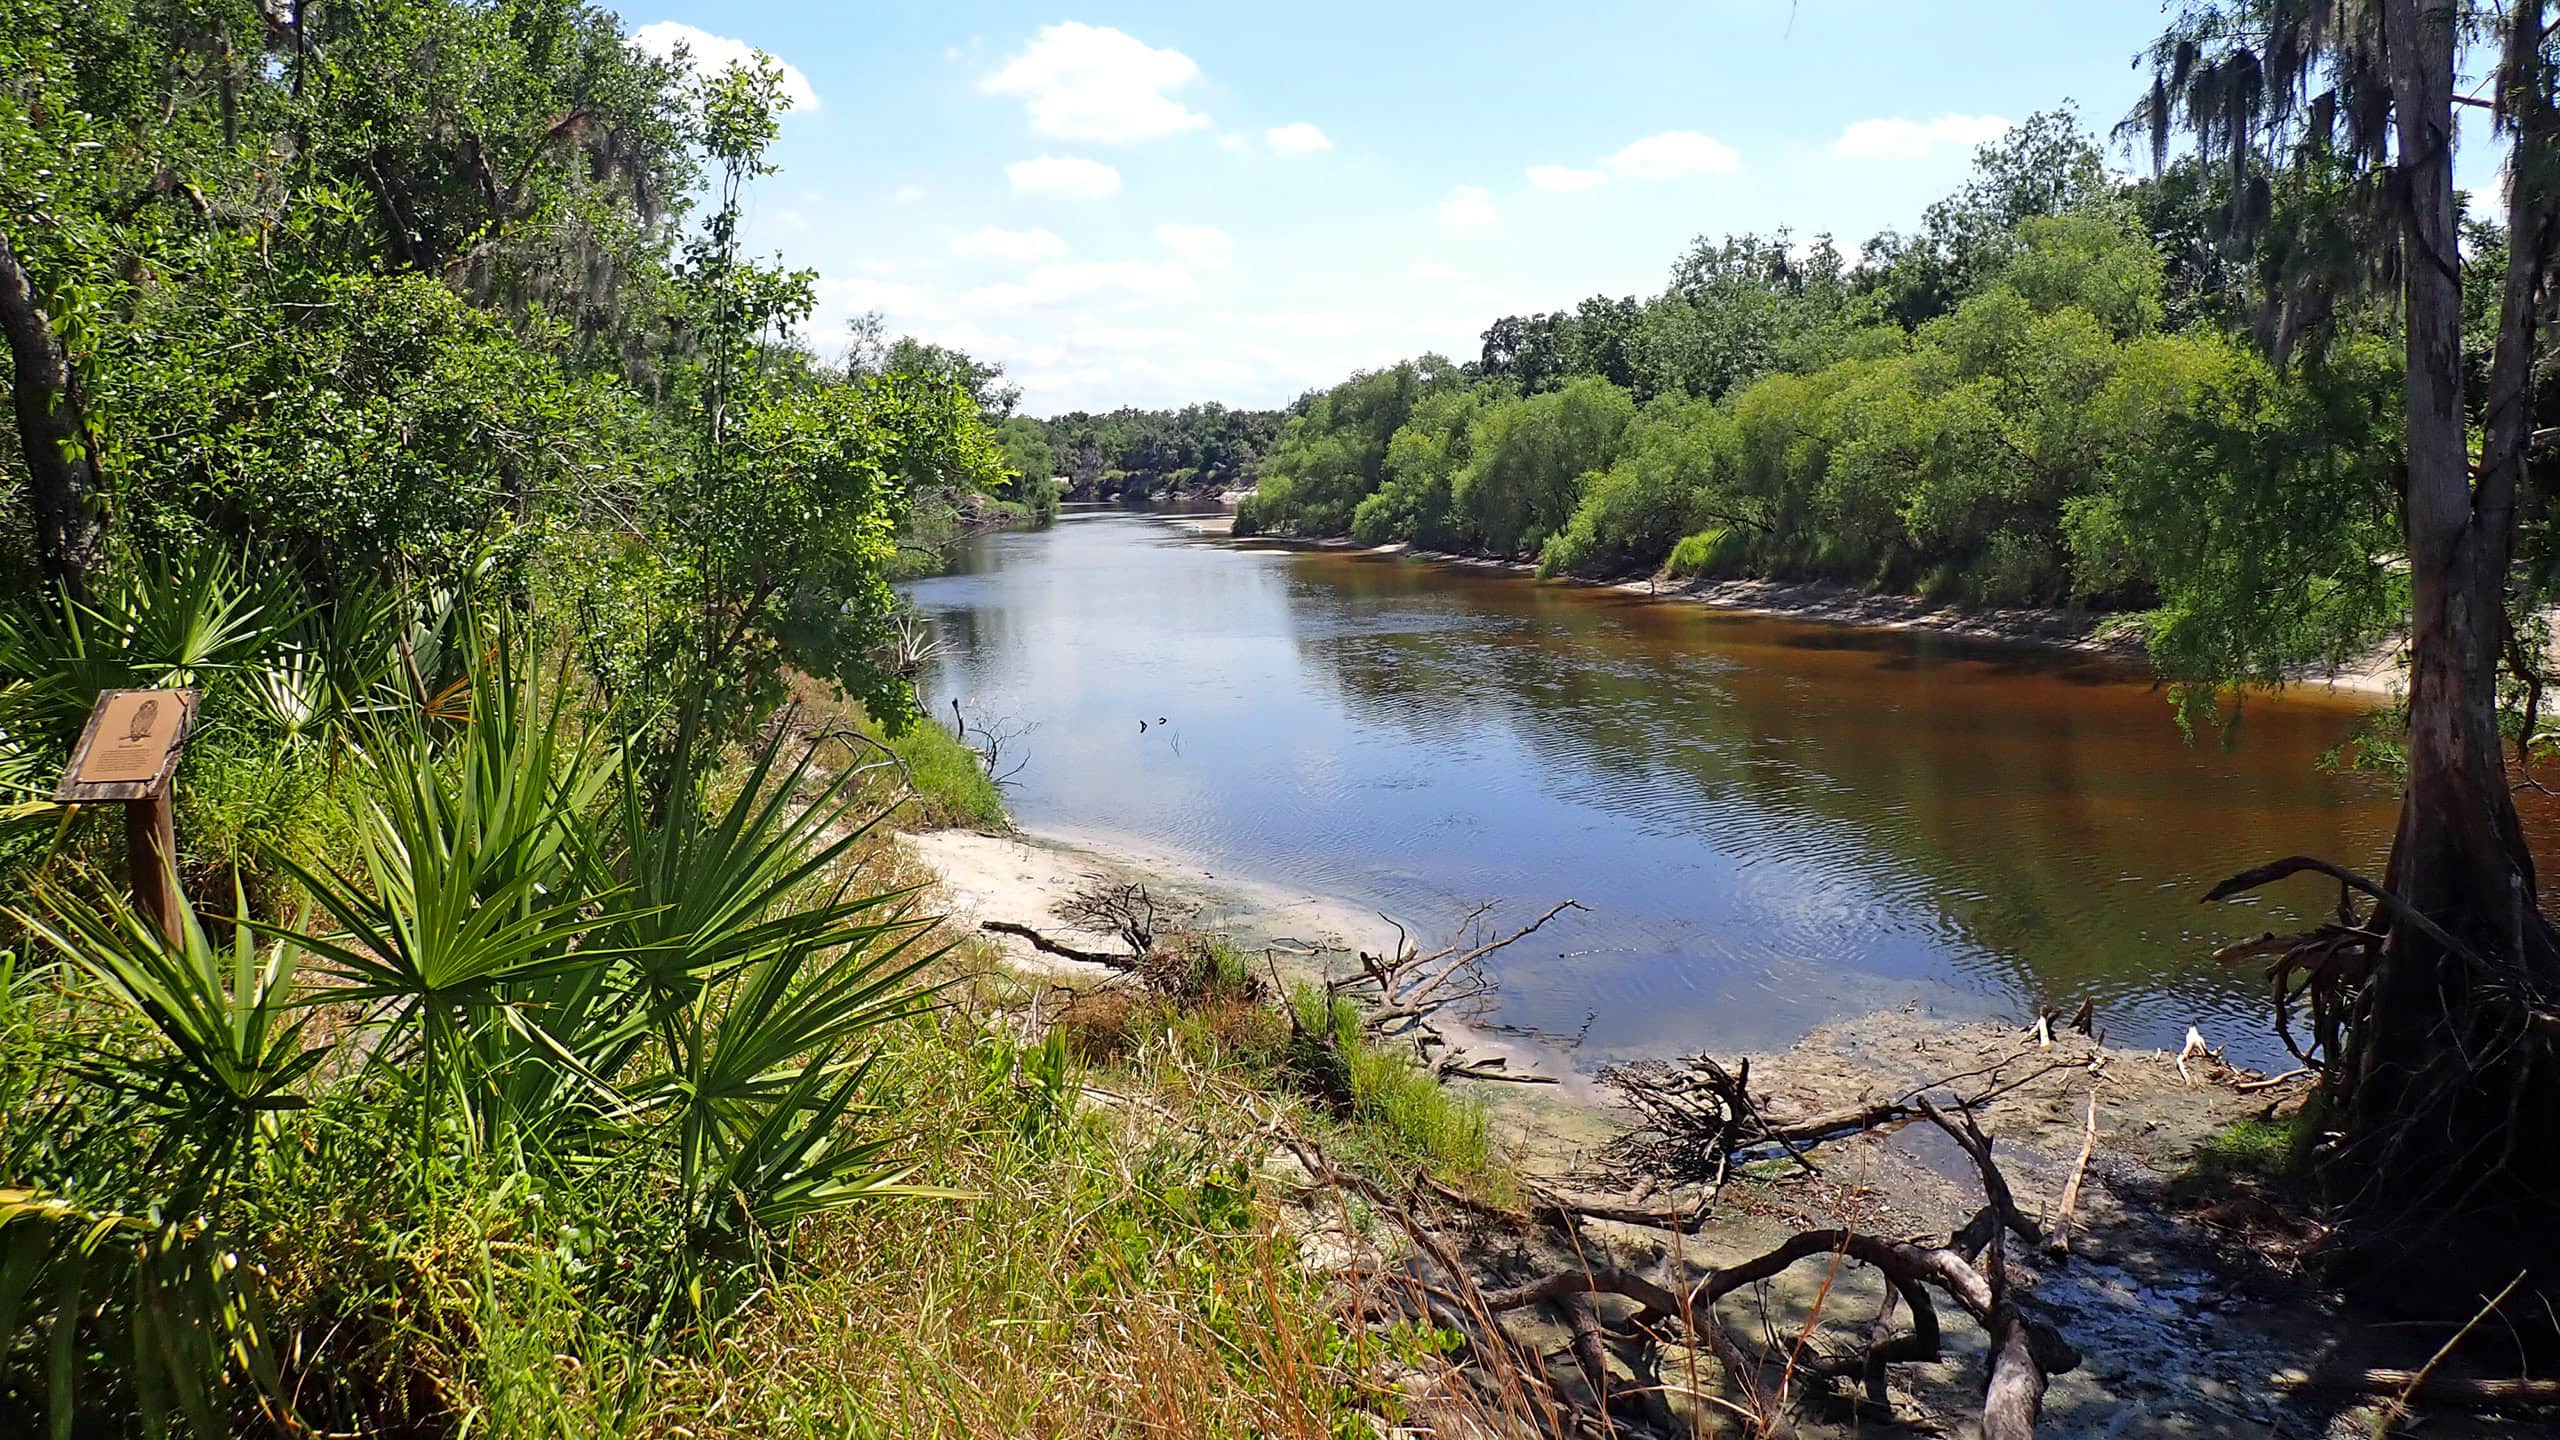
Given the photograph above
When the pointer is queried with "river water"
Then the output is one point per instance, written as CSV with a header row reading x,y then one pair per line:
x,y
1772,823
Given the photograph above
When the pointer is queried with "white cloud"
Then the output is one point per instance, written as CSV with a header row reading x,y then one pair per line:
x,y
1435,270
1467,205
906,195
1086,82
1330,324
1672,154
1126,337
1897,138
1094,279
1205,246
710,54
856,296
1069,177
1235,140
994,243
1563,177
1299,138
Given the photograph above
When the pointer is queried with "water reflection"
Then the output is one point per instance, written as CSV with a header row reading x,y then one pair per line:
x,y
1772,822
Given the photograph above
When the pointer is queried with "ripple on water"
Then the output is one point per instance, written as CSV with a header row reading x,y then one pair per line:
x,y
1770,821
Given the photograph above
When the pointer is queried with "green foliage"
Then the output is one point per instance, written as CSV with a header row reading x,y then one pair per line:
x,y
1423,459
947,781
1528,460
1636,512
1331,456
548,986
1709,554
1129,453
1395,1118
2250,1150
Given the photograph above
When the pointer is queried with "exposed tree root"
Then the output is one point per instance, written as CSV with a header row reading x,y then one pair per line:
x,y
2438,1076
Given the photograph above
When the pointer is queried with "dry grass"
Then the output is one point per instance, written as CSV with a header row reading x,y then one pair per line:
x,y
1101,1279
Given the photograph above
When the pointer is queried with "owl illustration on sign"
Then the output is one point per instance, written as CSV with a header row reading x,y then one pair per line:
x,y
143,715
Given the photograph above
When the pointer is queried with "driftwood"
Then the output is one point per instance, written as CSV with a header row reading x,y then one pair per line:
x,y
1408,989
1064,951
1698,1118
1971,1272
2058,1244
2459,1392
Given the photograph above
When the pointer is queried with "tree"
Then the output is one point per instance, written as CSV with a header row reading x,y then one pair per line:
x,y
1528,461
983,379
2443,1086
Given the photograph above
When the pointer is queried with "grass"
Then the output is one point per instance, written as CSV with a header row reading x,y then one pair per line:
x,y
1096,1242
2251,1149
1374,1109
951,786
1106,1275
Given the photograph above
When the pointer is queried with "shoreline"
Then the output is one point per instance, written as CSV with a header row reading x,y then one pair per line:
x,y
2176,1318
2099,635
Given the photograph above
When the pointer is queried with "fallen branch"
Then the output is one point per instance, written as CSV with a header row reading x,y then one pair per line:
x,y
2457,1392
2400,1402
1412,988
2058,1245
1046,945
1995,1186
1699,1117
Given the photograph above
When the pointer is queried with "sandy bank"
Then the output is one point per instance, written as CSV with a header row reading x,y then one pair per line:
x,y
2110,635
2187,1331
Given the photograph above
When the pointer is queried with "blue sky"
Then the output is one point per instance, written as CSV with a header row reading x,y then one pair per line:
x,y
1155,204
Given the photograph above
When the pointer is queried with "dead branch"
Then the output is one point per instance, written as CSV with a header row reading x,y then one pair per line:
x,y
2400,1402
1995,1186
1129,911
1491,1069
1409,988
1697,1118
2059,1245
1588,1351
1052,947
2457,1392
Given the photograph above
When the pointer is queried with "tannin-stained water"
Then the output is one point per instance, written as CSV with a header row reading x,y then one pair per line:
x,y
1772,823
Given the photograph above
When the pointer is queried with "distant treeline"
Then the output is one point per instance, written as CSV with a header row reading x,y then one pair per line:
x,y
1141,454
2065,387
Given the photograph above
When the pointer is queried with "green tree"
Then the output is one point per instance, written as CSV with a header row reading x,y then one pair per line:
x,y
1333,454
1528,459
2436,1058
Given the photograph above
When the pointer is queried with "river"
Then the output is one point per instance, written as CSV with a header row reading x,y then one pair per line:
x,y
1772,823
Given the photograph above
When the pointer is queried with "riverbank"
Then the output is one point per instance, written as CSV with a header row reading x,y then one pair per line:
x,y
2105,635
2178,1289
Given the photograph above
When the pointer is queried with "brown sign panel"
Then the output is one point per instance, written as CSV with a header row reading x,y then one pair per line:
x,y
130,748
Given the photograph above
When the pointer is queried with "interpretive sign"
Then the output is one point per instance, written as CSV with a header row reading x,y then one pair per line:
x,y
129,750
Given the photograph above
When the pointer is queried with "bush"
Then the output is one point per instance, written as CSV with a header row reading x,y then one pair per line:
x,y
1710,554
541,994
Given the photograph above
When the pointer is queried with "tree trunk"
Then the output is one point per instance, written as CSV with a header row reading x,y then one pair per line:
x,y
2438,1058
62,464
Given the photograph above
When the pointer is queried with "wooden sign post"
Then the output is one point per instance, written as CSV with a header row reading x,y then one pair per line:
x,y
129,752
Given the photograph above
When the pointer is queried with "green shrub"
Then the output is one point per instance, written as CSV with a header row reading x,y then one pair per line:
x,y
1710,554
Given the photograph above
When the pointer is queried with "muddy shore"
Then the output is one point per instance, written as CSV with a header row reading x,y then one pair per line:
x,y
2189,1325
